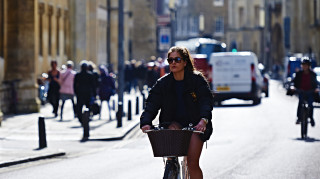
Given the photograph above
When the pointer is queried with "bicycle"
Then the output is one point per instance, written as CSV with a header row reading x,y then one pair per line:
x,y
172,144
304,114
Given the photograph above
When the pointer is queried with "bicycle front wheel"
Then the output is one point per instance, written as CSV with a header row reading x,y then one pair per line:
x,y
172,170
184,167
304,123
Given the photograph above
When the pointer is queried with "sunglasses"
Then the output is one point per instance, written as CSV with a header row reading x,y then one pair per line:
x,y
177,60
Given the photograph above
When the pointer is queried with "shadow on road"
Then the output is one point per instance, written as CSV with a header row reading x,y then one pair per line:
x,y
308,139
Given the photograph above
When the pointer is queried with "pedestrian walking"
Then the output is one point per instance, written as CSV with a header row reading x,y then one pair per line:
x,y
83,88
106,88
66,87
54,87
141,75
128,76
152,74
92,68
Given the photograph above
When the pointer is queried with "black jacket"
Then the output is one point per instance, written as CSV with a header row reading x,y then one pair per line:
x,y
298,78
197,95
84,85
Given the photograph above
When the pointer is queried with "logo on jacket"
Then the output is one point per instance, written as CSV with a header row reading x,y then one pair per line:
x,y
194,96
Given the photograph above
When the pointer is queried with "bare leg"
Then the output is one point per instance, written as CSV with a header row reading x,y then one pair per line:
x,y
195,149
175,126
109,110
61,113
100,109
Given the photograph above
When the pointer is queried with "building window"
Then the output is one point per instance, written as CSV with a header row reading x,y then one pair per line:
x,y
65,33
50,29
219,28
218,2
256,16
241,17
316,13
1,27
41,12
58,31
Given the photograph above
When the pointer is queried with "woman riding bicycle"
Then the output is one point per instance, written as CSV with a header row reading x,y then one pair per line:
x,y
184,97
305,82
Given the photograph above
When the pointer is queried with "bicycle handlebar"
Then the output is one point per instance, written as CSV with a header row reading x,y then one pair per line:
x,y
192,129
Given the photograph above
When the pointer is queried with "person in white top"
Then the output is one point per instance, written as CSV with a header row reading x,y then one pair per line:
x,y
66,86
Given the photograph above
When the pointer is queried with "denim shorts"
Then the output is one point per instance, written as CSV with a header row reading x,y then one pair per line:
x,y
64,97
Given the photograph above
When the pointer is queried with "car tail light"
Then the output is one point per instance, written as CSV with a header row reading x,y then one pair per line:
x,y
253,74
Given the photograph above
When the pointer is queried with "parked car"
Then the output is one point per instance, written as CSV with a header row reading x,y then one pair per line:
x,y
266,78
236,75
317,71
201,49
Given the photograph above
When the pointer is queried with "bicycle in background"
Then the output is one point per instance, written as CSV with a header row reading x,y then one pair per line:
x,y
304,113
172,144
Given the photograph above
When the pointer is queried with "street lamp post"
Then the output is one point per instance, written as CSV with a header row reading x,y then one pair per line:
x,y
108,32
173,20
120,64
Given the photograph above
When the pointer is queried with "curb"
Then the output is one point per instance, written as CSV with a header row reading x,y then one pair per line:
x,y
32,159
115,138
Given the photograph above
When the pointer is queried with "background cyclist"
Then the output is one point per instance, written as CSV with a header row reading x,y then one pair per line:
x,y
306,82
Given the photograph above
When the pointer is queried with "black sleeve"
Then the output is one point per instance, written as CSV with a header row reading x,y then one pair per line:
x,y
205,98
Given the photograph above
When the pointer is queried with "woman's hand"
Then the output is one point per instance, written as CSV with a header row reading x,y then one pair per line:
x,y
201,126
145,127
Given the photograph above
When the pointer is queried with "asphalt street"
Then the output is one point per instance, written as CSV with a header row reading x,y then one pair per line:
x,y
249,141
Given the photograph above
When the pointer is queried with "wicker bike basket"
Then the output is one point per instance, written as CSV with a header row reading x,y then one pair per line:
x,y
170,142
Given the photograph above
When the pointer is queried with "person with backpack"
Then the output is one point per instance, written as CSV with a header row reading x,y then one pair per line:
x,y
106,88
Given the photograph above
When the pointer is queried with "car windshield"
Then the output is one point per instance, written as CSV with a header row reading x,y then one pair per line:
x,y
209,48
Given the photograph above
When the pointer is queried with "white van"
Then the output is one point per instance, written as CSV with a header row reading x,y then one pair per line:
x,y
236,75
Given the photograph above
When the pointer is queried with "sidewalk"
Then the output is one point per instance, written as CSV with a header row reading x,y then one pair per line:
x,y
19,138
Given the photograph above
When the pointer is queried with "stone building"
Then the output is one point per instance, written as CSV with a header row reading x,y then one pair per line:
x,y
275,28
245,26
34,32
143,31
304,31
201,18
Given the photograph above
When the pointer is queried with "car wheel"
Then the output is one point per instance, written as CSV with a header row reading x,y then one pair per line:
x,y
256,101
267,93
217,103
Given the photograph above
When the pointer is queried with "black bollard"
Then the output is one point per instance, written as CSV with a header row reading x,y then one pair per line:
x,y
129,110
42,133
85,124
137,105
119,114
